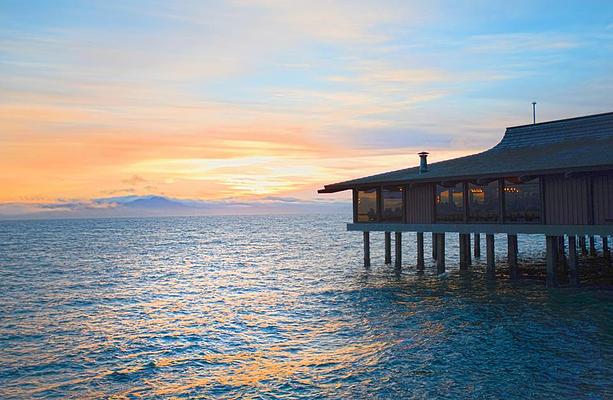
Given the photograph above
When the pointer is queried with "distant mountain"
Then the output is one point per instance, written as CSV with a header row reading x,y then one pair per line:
x,y
156,205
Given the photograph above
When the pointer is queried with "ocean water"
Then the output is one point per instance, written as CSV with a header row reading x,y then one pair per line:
x,y
281,307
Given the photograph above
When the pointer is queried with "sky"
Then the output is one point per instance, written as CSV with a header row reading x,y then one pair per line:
x,y
247,101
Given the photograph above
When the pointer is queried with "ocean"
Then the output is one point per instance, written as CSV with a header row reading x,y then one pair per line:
x,y
281,307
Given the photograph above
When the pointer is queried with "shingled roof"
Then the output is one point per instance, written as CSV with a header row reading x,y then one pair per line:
x,y
582,143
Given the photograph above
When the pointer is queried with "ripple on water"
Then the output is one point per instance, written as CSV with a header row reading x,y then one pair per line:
x,y
280,307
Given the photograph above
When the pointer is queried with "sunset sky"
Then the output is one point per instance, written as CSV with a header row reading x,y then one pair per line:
x,y
243,100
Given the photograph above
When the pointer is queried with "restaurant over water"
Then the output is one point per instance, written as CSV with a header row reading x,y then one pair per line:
x,y
552,178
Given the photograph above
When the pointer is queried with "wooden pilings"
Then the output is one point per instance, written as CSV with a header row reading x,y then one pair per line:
x,y
573,276
420,252
398,243
434,244
552,261
477,250
592,247
583,245
490,263
605,248
440,253
464,246
366,249
512,256
388,247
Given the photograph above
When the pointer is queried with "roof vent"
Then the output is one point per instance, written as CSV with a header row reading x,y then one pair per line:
x,y
423,162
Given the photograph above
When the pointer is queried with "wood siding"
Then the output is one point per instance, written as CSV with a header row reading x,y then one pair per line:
x,y
420,204
603,199
567,200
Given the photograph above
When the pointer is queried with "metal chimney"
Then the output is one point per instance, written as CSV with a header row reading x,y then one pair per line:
x,y
423,162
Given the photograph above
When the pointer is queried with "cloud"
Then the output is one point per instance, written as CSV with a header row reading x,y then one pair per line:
x,y
135,180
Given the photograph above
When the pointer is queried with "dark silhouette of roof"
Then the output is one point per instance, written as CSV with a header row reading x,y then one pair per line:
x,y
568,145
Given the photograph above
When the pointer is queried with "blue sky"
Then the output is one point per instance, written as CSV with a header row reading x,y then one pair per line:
x,y
247,99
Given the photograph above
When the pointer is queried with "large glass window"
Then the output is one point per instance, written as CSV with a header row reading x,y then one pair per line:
x,y
522,201
367,205
450,203
483,202
391,204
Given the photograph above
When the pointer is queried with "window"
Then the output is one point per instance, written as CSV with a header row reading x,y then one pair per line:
x,y
450,203
522,201
367,205
391,204
483,202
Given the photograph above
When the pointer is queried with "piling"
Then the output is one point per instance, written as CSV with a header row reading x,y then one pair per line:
x,y
463,248
573,276
552,255
469,259
420,251
398,242
583,245
512,256
434,245
477,250
592,247
388,247
440,256
367,249
490,263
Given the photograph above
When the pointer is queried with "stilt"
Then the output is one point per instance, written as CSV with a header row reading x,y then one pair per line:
x,y
434,245
573,276
605,247
491,264
583,245
388,247
477,245
562,255
561,246
398,241
512,256
367,249
463,248
592,247
552,255
469,259
440,256
420,251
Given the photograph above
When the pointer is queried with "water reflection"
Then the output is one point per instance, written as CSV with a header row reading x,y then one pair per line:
x,y
277,307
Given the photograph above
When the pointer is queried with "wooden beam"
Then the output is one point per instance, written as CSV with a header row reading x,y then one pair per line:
x,y
367,249
398,243
420,252
388,247
491,263
512,256
573,276
513,229
477,245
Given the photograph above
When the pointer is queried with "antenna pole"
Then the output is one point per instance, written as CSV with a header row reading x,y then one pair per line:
x,y
534,112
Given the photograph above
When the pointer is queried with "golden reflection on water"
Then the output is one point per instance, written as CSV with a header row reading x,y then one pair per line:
x,y
233,308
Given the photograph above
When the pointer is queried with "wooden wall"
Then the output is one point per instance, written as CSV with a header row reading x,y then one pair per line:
x,y
603,199
420,204
567,200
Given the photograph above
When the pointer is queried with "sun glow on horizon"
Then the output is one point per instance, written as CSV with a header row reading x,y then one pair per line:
x,y
229,100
